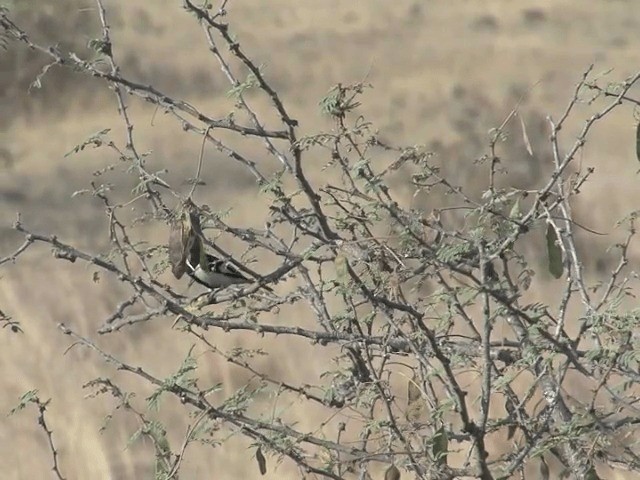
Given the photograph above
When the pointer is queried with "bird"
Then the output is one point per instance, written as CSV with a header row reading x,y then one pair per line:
x,y
215,273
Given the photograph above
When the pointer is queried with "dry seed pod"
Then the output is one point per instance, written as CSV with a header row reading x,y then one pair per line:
x,y
262,462
176,247
415,404
184,239
392,473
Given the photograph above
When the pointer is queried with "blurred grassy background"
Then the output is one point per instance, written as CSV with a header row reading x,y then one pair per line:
x,y
444,73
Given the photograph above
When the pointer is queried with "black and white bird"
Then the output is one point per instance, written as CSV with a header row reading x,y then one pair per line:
x,y
217,273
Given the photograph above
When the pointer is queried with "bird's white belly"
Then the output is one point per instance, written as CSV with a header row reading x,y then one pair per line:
x,y
217,280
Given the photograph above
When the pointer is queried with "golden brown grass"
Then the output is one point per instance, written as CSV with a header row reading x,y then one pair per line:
x,y
413,53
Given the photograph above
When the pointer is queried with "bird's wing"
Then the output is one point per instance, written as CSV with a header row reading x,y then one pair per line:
x,y
226,268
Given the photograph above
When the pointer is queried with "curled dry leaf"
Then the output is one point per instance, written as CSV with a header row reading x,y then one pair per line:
x,y
638,141
342,272
525,137
554,252
544,469
262,462
415,405
511,429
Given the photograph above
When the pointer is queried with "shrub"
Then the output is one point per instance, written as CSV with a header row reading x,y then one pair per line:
x,y
438,357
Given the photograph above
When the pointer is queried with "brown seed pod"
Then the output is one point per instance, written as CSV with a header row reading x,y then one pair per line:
x,y
184,239
392,473
262,462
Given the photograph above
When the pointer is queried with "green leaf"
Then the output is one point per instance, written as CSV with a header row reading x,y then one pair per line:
x,y
29,397
183,378
135,437
440,446
100,46
96,140
554,252
238,90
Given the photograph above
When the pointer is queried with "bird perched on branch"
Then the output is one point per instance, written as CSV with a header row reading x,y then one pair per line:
x,y
215,272
187,254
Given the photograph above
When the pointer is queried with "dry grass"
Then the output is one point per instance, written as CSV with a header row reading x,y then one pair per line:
x,y
415,54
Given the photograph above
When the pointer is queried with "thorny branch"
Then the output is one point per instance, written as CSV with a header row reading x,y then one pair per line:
x,y
399,292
